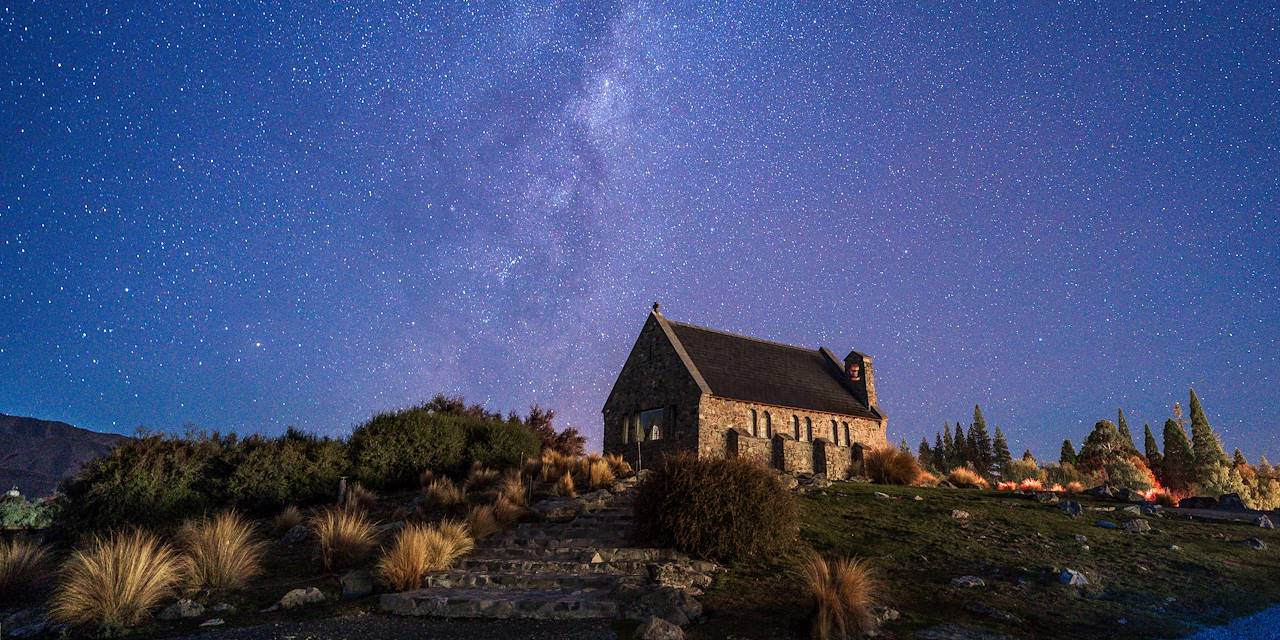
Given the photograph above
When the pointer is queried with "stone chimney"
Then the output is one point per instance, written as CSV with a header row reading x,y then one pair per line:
x,y
857,367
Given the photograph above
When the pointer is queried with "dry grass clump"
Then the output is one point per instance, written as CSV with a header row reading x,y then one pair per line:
x,y
553,464
224,552
844,591
506,510
346,537
358,497
513,489
115,582
966,477
482,520
22,565
925,479
426,477
1075,487
443,492
481,477
564,486
599,474
286,520
420,549
891,465
621,468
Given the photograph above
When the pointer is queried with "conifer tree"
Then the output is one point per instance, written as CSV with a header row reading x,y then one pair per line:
x,y
1155,459
1027,456
980,442
1238,459
1103,446
904,447
949,448
925,454
963,455
1205,445
1179,459
1264,466
939,452
1000,452
1126,436
1068,453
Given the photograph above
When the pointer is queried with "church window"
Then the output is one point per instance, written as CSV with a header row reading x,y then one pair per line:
x,y
651,423
835,432
808,429
795,425
768,425
755,423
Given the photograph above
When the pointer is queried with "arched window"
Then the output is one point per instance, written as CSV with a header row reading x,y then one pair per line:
x,y
808,429
795,425
768,425
847,441
755,423
835,432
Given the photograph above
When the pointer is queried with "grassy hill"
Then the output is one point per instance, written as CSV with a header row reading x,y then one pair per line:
x,y
1141,586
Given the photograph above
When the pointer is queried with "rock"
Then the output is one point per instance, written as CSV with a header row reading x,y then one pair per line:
x,y
1256,544
946,484
1263,521
959,514
356,584
27,623
1073,578
885,614
1137,525
656,628
881,495
1106,524
222,607
1047,497
1071,508
789,482
670,604
1231,502
298,534
1080,538
1101,491
957,632
918,498
557,509
301,598
820,481
1198,502
1132,509
1125,494
595,500
1174,547
182,609
968,582
1150,509
980,609
679,576
213,622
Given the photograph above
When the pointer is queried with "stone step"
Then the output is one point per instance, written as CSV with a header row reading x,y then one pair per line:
x,y
580,554
524,581
547,542
501,603
516,565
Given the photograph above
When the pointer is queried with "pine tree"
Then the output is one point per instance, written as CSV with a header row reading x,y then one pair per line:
x,y
1179,459
1000,453
904,447
925,454
980,442
1027,456
1154,458
1204,442
939,452
1238,460
1177,415
949,448
1068,453
1122,425
1103,446
963,455
1264,466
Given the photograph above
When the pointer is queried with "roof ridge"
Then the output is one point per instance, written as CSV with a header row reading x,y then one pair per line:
x,y
744,337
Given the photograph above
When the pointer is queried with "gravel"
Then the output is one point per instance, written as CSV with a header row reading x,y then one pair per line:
x,y
363,627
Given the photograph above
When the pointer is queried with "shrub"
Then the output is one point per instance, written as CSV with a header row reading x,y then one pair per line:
x,y
1075,487
358,497
506,510
224,552
296,468
720,509
1019,470
346,537
286,520
17,513
621,468
966,477
392,449
553,464
22,566
844,592
512,488
1067,473
1129,472
115,582
925,479
499,444
482,521
891,465
420,549
599,474
442,492
564,486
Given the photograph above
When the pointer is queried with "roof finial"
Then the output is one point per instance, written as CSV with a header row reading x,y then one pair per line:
x,y
656,306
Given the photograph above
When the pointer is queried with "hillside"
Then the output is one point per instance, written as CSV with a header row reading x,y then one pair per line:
x,y
35,455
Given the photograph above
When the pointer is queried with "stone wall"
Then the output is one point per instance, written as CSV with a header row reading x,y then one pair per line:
x,y
741,444
718,417
834,461
791,455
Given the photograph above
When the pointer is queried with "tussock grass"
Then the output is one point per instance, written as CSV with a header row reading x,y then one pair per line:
x,y
359,497
22,564
426,477
506,510
621,468
481,477
843,591
564,486
1075,487
599,474
224,551
966,477
925,479
420,549
891,465
553,464
513,488
115,582
286,520
482,521
346,537
444,493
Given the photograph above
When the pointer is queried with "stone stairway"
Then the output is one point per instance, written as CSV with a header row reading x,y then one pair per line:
x,y
581,568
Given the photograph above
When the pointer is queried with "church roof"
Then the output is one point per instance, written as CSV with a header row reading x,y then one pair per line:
x,y
754,370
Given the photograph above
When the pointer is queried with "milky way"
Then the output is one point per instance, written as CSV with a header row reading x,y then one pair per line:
x,y
245,217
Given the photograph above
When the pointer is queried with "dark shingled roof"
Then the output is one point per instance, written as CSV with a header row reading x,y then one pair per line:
x,y
752,370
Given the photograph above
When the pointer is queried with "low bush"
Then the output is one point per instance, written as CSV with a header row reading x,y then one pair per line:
x,y
224,552
420,549
891,465
346,537
720,509
512,488
967,478
499,444
17,513
1074,488
482,477
925,479
844,592
392,449
296,468
22,565
621,468
115,582
358,497
1022,469
506,510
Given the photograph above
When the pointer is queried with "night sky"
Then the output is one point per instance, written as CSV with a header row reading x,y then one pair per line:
x,y
246,217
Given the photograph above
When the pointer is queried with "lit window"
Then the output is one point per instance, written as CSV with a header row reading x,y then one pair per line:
x,y
651,423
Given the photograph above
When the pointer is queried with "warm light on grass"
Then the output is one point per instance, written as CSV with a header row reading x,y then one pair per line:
x,y
420,549
346,537
891,465
844,591
358,497
483,521
224,551
966,477
444,493
564,486
621,468
286,520
22,564
506,510
115,582
599,474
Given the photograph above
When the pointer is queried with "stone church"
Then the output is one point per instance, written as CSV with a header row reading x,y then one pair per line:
x,y
690,388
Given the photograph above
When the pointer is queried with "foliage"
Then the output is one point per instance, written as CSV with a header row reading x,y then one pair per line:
x,y
420,549
722,509
1205,446
356,496
288,518
1151,451
17,513
1178,465
482,521
1129,472
346,537
1126,436
392,449
1024,469
23,564
442,492
564,486
924,454
888,465
1222,479
844,592
224,552
567,442
500,445
1066,474
116,581
1067,455
1104,446
599,474
1000,452
981,455
296,468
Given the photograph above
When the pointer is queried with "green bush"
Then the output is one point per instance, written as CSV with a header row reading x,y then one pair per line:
x,y
17,513
719,509
499,445
1019,470
294,469
392,449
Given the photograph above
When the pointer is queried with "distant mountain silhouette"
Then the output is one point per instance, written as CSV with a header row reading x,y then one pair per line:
x,y
35,455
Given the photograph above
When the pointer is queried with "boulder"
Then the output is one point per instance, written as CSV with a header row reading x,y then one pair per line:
x,y
655,628
1079,538
977,608
679,576
213,622
301,598
670,604
968,582
885,614
1263,521
182,609
1073,578
789,482
557,509
1137,525
1125,494
27,623
820,481
298,534
357,584
1132,509
1256,544
1106,524
1231,502
881,495
595,500
959,514
1101,491
222,607
1198,502
1071,508
918,498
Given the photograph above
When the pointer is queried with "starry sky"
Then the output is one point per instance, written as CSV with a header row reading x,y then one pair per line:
x,y
245,216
